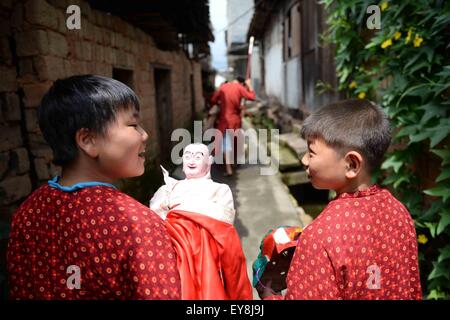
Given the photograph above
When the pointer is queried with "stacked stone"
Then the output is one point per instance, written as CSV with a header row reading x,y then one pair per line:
x,y
15,182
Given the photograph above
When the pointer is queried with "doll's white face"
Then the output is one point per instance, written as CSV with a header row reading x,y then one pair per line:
x,y
196,161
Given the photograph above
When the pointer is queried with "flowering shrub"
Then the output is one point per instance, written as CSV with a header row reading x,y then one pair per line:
x,y
405,67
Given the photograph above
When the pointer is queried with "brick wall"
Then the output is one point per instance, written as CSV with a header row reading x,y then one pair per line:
x,y
15,181
36,48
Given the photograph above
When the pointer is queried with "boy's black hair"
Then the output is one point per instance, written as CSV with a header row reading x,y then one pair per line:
x,y
82,101
240,79
353,124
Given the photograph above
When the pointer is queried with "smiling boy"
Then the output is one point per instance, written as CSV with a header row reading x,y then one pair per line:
x,y
363,245
80,221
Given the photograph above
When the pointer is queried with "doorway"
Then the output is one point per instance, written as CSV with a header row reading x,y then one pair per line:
x,y
163,102
193,112
123,75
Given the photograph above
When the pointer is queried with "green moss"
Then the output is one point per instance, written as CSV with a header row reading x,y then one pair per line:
x,y
142,188
313,209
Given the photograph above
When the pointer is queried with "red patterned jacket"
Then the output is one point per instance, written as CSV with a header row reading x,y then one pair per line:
x,y
116,247
362,246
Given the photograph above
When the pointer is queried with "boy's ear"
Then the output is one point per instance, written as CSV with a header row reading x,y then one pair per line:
x,y
87,142
354,162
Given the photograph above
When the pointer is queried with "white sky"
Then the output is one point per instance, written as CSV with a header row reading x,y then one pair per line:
x,y
218,14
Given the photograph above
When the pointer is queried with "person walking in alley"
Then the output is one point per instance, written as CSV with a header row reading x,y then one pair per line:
x,y
77,236
229,96
363,245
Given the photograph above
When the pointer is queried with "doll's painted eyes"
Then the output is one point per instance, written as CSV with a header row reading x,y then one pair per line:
x,y
197,157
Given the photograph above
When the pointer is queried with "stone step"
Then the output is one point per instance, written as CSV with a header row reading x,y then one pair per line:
x,y
293,141
293,178
285,158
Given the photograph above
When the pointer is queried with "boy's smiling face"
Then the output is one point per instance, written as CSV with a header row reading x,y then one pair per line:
x,y
326,168
121,150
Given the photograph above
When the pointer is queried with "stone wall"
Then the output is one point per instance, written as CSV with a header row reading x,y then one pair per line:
x,y
36,48
15,180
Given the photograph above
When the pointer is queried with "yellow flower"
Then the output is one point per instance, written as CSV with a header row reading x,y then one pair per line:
x,y
352,84
384,6
397,35
386,43
422,239
296,230
408,37
362,95
417,41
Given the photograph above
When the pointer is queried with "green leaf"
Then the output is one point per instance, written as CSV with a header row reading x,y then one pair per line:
x,y
375,42
432,110
411,62
392,162
441,19
429,52
445,174
400,82
445,254
431,213
439,134
420,136
440,191
419,66
419,91
444,154
436,295
441,89
399,181
444,222
390,179
407,130
431,227
399,10
438,271
362,13
445,72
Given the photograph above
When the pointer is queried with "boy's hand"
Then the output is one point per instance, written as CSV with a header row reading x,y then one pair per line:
x,y
248,83
264,290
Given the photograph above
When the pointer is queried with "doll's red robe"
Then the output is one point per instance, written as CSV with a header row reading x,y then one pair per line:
x,y
210,257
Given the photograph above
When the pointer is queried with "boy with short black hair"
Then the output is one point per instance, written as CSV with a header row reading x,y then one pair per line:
x,y
363,245
78,237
